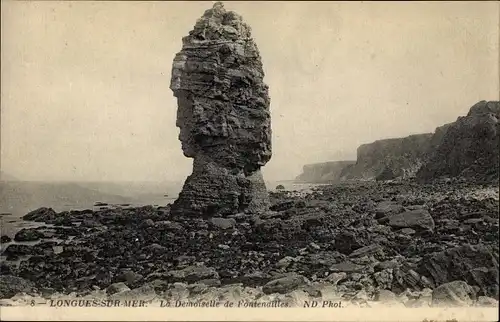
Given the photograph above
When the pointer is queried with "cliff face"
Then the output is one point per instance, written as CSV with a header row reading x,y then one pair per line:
x,y
323,172
403,156
223,116
437,137
469,147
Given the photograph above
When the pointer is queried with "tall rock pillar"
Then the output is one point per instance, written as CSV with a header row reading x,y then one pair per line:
x,y
223,116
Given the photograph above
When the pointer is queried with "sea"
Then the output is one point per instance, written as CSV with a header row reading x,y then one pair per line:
x,y
18,198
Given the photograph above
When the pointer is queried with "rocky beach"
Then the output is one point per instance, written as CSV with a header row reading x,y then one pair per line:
x,y
403,243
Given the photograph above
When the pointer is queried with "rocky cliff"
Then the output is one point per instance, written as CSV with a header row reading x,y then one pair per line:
x,y
323,172
437,137
223,116
403,156
469,147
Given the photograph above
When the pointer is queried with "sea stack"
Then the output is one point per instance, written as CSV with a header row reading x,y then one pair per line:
x,y
223,115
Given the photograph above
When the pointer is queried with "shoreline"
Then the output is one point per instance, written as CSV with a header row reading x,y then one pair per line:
x,y
345,242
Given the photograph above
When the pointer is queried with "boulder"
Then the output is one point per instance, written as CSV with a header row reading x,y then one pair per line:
x,y
117,288
254,278
485,301
346,267
369,250
347,242
193,274
285,284
385,296
129,277
155,249
418,219
385,208
29,234
475,264
8,268
14,251
456,293
386,264
407,279
334,278
223,223
41,214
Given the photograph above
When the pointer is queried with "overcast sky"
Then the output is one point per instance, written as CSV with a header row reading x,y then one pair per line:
x,y
85,85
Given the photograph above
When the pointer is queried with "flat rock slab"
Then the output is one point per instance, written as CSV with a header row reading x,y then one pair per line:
x,y
223,223
387,207
193,274
346,267
374,249
419,219
285,284
28,234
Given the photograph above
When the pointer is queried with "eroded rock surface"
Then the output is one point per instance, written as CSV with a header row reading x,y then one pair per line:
x,y
469,147
354,241
223,116
323,172
402,156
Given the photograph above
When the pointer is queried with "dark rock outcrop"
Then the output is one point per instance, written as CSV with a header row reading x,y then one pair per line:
x,y
14,251
285,284
41,214
469,147
117,288
5,239
477,265
11,285
28,235
326,172
223,116
386,174
437,137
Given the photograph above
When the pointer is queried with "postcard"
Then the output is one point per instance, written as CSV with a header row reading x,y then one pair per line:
x,y
249,161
